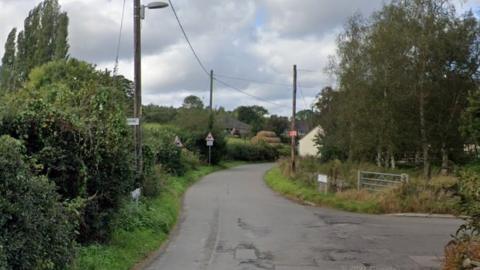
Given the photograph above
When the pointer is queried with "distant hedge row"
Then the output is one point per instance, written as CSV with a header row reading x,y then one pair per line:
x,y
252,152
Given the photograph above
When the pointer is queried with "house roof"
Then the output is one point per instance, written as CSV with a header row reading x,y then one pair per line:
x,y
303,126
231,123
312,133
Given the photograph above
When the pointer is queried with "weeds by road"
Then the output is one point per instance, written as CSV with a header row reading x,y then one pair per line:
x,y
144,227
415,196
298,191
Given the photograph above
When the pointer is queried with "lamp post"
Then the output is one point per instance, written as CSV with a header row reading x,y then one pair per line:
x,y
138,15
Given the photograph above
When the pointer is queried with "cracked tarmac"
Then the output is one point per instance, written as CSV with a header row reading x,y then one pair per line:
x,y
232,221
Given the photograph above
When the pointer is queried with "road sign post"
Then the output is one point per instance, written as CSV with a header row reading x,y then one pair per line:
x,y
209,141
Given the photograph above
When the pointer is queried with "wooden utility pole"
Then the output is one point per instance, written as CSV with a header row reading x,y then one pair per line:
x,y
294,112
210,119
137,110
211,90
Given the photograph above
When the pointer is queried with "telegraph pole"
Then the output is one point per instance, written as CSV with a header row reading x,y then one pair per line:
x,y
210,119
294,112
211,90
137,110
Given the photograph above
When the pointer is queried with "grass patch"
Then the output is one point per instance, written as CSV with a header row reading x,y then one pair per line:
x,y
141,229
238,140
416,196
298,191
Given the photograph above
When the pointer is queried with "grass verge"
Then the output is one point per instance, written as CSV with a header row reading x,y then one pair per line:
x,y
143,227
297,191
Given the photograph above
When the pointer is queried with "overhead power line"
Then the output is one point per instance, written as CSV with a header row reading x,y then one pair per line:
x,y
117,56
246,93
202,66
251,80
260,82
187,39
310,70
304,100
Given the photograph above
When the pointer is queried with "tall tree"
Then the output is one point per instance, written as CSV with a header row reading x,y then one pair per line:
x,y
252,115
8,62
192,102
278,124
43,39
61,41
403,80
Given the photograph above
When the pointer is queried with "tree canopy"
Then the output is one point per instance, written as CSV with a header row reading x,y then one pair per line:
x,y
43,39
192,102
404,77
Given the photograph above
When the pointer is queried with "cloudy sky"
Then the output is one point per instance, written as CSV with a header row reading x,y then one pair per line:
x,y
259,40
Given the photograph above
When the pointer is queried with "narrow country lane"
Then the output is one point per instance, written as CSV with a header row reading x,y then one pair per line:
x,y
231,220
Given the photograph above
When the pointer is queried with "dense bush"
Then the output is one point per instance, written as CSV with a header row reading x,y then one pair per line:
x,y
54,142
465,247
37,231
161,139
190,159
469,190
284,150
251,152
72,121
194,124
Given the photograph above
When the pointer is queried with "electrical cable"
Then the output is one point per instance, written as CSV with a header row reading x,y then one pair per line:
x,y
245,93
250,80
115,68
187,39
260,82
202,66
305,103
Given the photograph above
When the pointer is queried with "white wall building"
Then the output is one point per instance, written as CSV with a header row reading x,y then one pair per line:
x,y
306,145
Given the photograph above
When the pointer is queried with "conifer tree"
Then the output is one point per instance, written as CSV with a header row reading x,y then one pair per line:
x,y
43,39
8,62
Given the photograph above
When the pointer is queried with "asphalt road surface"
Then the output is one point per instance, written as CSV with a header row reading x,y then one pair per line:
x,y
232,220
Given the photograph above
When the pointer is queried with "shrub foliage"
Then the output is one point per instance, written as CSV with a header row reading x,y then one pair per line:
x,y
37,231
71,119
251,152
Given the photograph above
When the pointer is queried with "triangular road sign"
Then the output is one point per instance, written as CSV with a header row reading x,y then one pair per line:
x,y
209,137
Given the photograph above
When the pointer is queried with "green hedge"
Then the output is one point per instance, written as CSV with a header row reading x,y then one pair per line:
x,y
71,119
251,152
161,139
37,231
469,191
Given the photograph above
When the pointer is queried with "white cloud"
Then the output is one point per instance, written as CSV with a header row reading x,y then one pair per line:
x,y
255,39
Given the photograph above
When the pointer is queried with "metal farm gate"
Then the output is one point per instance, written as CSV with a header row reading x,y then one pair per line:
x,y
375,181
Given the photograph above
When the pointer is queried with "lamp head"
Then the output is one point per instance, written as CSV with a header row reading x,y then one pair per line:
x,y
157,5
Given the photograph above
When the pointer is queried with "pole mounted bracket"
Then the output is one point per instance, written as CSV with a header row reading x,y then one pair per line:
x,y
142,12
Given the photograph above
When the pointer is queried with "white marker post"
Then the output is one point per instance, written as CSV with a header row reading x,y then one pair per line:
x,y
322,181
210,141
136,195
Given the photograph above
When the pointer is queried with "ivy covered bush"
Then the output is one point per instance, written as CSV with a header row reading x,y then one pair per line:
x,y
161,140
71,119
37,230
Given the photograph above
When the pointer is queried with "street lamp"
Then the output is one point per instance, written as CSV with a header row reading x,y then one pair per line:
x,y
138,15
